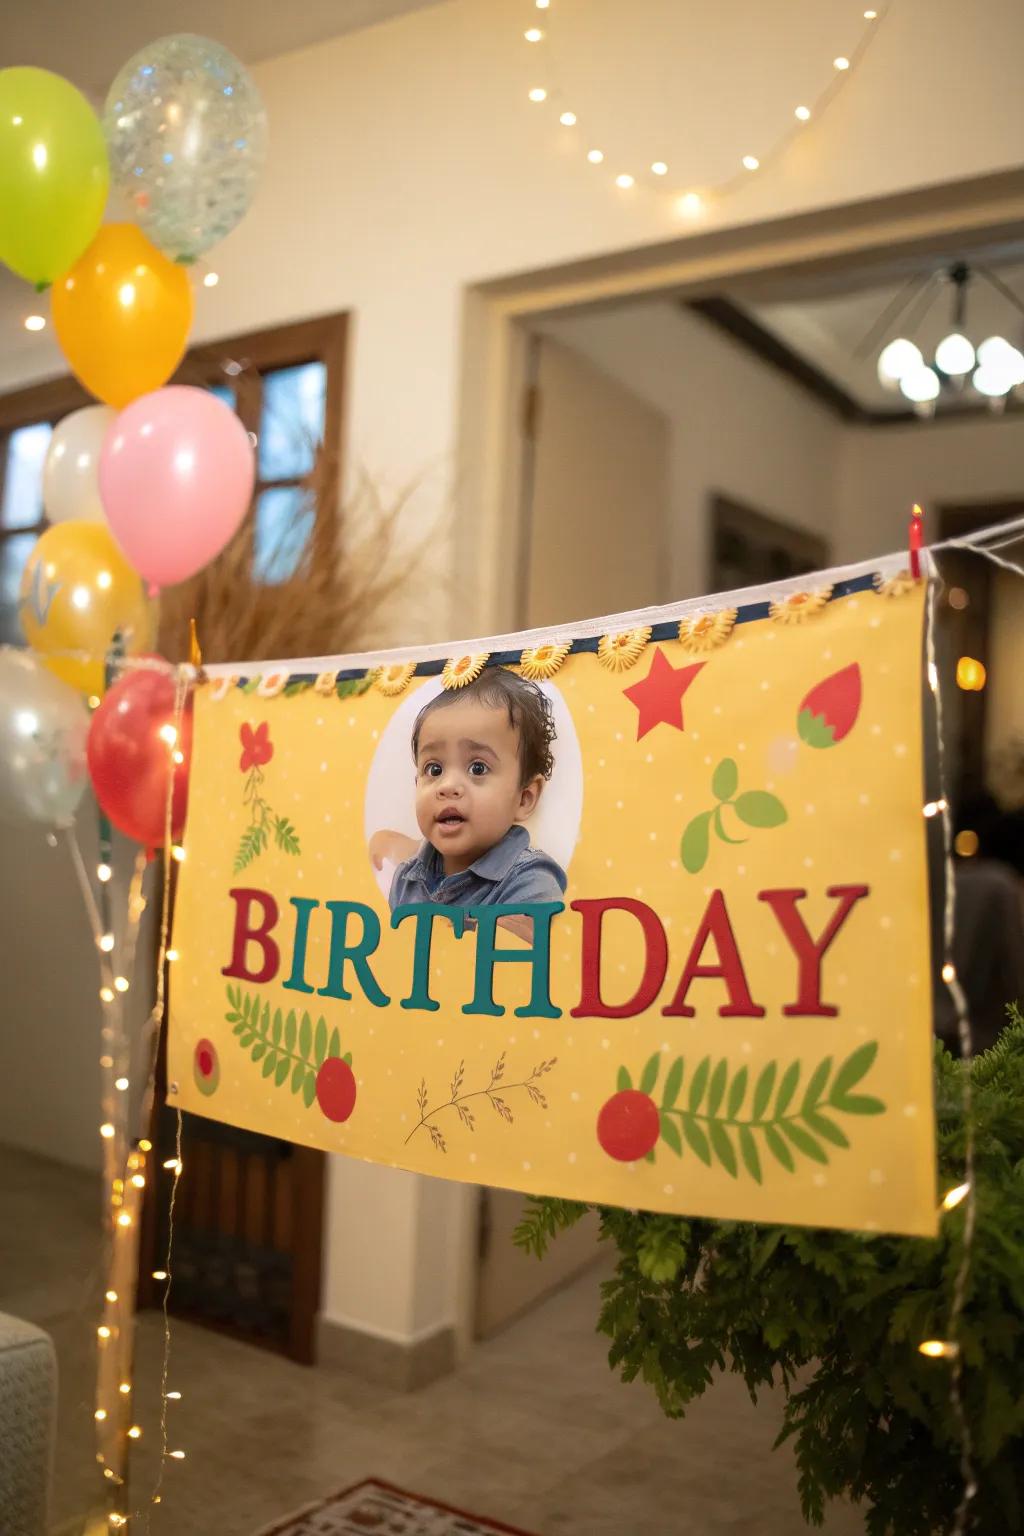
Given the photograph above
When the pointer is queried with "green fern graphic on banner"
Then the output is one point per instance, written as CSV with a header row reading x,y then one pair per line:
x,y
289,1047
727,1117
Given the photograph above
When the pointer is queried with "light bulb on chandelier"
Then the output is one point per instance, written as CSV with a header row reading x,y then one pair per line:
x,y
920,385
900,357
954,355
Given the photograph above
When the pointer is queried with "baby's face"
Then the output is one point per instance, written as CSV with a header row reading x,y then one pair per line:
x,y
468,789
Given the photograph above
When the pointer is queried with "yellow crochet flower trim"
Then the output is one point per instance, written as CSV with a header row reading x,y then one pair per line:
x,y
326,682
707,632
543,661
393,680
799,606
220,687
271,684
461,670
620,652
897,585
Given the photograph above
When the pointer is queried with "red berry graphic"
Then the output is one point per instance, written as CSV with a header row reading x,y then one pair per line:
x,y
830,710
628,1125
206,1067
336,1089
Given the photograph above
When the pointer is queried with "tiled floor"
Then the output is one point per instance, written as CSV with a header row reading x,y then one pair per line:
x,y
533,1429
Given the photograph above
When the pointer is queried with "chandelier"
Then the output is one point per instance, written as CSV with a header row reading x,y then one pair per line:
x,y
993,369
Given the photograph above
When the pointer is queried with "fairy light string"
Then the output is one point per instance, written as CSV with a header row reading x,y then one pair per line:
x,y
540,37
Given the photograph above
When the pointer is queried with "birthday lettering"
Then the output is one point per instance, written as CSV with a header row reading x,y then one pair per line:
x,y
713,958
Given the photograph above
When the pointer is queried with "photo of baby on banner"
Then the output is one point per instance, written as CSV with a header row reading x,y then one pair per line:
x,y
609,914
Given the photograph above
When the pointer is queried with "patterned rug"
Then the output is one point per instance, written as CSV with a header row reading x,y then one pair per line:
x,y
373,1508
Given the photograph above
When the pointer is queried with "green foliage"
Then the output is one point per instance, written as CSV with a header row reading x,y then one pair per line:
x,y
753,808
833,1319
290,1050
815,729
353,687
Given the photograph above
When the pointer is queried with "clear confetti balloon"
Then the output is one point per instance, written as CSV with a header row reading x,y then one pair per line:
x,y
43,730
187,135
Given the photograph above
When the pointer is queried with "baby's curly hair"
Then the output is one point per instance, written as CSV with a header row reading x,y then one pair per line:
x,y
529,711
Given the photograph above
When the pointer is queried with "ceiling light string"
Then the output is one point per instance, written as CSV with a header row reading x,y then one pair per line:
x,y
542,43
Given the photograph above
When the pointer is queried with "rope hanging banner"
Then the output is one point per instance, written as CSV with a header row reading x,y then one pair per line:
x,y
635,912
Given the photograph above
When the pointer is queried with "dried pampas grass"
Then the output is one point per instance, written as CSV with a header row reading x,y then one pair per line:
x,y
357,562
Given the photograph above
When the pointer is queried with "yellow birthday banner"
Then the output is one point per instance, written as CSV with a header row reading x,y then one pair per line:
x,y
636,916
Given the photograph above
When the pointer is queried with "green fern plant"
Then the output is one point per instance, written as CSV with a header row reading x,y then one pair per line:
x,y
833,1320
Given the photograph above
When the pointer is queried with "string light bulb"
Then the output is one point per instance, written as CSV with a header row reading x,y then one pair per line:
x,y
135,1433
948,972
173,1163
103,873
178,853
121,983
538,93
172,955
106,994
841,63
659,168
568,119
35,322
100,1415
533,34
111,1296
595,156
624,180
952,1198
106,1130
159,1274
938,1349
751,163
174,1397
124,1220
177,1455
121,1084
211,279
138,1180
169,734
103,1331
105,942
125,1388
145,1145
691,205
803,113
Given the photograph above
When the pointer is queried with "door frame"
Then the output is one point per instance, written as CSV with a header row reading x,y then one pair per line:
x,y
495,339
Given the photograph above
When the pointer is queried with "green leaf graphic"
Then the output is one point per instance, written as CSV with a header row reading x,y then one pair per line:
x,y
670,1135
305,1036
693,850
725,780
696,1139
804,1141
334,1048
816,1084
649,1076
778,1148
858,1104
787,1088
736,1093
309,1088
723,1147
673,1083
285,835
763,1090
290,1030
698,1083
758,808
716,1092
320,1049
854,1068
624,1082
815,730
749,1153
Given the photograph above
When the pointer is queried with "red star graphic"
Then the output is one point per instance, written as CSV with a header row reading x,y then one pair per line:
x,y
659,697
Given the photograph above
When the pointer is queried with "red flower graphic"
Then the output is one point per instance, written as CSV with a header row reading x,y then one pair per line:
x,y
257,748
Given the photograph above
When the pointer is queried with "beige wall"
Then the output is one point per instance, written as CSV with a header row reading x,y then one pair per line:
x,y
406,164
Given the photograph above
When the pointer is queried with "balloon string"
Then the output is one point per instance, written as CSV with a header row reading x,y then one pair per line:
x,y
183,680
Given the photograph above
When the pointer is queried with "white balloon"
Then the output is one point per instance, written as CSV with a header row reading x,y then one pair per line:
x,y
71,486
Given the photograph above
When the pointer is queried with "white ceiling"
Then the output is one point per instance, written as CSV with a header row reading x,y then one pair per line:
x,y
89,40
827,322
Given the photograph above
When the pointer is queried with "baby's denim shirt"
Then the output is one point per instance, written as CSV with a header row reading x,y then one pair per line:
x,y
510,873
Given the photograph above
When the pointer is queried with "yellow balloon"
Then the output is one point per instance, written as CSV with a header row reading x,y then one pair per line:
x,y
77,591
122,315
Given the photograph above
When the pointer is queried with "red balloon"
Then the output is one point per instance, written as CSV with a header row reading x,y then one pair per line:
x,y
134,744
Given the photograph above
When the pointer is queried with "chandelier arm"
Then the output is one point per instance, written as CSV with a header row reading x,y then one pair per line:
x,y
1001,288
889,315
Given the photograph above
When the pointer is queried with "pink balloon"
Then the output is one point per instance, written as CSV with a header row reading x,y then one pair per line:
x,y
176,476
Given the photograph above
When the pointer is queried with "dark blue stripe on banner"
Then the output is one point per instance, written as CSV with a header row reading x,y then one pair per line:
x,y
666,631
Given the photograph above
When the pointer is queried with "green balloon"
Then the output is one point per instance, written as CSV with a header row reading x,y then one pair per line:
x,y
53,174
